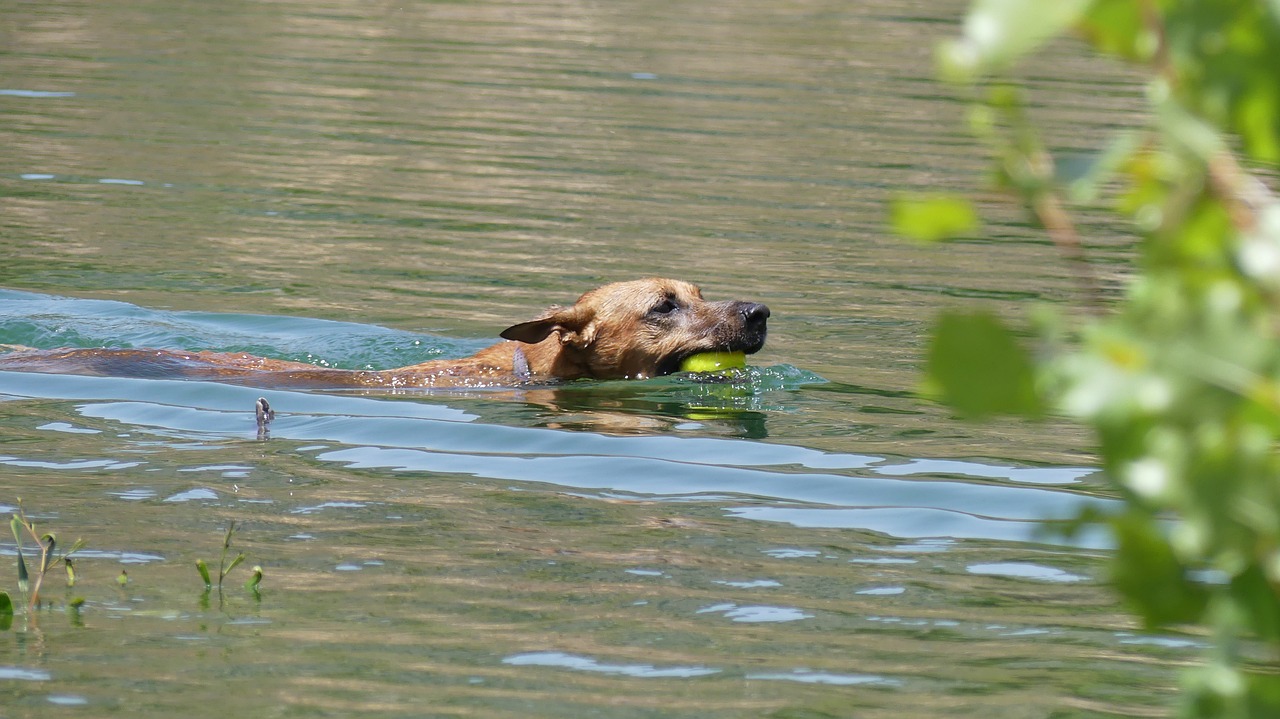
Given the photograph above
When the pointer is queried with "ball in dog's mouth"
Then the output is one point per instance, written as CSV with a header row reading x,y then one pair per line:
x,y
714,361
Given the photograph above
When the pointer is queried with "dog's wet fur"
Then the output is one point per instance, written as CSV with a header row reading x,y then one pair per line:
x,y
625,330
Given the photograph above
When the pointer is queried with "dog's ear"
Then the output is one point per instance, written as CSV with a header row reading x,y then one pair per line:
x,y
573,324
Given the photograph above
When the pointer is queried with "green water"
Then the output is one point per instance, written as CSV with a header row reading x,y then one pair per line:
x,y
377,184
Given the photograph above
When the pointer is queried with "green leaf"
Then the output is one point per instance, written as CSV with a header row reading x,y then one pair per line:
x,y
997,33
204,572
239,558
50,543
977,366
255,580
6,611
932,217
1149,574
1264,695
23,576
1255,597
16,524
1189,130
79,544
1116,27
1258,121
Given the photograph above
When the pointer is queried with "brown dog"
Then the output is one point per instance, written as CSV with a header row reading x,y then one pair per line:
x,y
638,329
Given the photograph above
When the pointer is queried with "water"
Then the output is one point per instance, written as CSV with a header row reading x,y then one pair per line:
x,y
376,185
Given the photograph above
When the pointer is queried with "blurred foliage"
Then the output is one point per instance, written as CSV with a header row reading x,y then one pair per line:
x,y
934,217
1179,377
977,366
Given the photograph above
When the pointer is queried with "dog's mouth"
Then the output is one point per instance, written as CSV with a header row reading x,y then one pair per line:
x,y
747,345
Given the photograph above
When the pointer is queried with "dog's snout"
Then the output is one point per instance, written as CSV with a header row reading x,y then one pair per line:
x,y
754,313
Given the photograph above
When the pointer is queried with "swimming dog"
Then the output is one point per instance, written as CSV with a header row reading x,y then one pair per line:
x,y
625,330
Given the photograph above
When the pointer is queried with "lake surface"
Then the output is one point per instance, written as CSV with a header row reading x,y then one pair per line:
x,y
375,184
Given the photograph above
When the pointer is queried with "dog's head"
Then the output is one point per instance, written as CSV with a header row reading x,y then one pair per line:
x,y
642,328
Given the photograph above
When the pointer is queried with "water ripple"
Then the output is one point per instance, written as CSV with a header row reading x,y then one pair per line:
x,y
587,664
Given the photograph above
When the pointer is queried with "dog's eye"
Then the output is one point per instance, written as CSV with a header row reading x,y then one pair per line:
x,y
665,308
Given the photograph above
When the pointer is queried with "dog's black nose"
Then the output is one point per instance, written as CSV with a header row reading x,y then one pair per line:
x,y
754,313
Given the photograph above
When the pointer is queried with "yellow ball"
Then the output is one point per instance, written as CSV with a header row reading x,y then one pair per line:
x,y
713,361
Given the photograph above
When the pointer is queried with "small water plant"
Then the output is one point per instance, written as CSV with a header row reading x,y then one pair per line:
x,y
46,559
224,568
